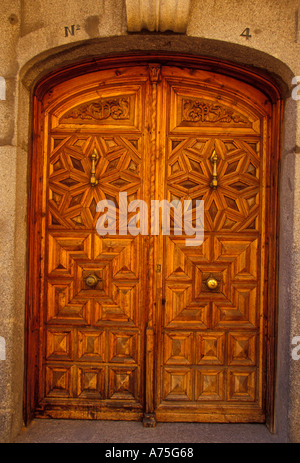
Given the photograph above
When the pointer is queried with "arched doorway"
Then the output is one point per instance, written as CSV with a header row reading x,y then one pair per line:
x,y
129,326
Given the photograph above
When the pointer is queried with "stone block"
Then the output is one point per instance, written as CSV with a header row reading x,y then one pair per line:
x,y
158,15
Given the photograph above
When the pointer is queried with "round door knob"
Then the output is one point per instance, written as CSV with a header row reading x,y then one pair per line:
x,y
212,283
91,280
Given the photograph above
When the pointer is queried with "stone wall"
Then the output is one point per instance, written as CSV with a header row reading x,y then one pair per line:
x,y
39,36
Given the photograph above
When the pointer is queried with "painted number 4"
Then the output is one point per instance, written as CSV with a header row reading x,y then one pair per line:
x,y
246,33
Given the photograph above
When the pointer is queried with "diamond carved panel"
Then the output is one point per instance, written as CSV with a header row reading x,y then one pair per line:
x,y
181,310
234,205
241,253
177,384
123,347
123,383
72,201
242,385
59,344
58,381
65,250
210,385
242,348
66,305
91,345
178,348
239,311
91,382
210,348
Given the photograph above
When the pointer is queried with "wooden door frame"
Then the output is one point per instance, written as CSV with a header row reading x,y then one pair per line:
x,y
255,78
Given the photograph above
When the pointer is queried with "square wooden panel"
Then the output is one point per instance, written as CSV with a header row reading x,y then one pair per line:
x,y
241,348
65,251
91,382
182,258
58,381
123,383
59,344
123,346
210,348
123,307
241,253
177,384
240,311
65,305
181,311
210,384
91,345
242,385
178,348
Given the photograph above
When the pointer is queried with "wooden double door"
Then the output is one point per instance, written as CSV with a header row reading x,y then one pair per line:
x,y
129,326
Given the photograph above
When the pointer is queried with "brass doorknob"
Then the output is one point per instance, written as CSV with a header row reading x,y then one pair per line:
x,y
212,283
91,280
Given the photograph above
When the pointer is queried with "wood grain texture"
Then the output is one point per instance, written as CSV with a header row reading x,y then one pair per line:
x,y
150,338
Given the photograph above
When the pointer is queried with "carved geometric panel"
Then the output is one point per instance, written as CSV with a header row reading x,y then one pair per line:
x,y
91,382
182,259
59,344
58,381
241,348
122,307
210,348
91,345
234,204
178,348
177,384
72,199
210,384
123,347
241,385
123,383
66,306
121,252
241,253
64,250
181,310
237,312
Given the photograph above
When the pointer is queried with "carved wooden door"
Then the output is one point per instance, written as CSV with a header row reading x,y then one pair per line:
x,y
210,326
144,325
94,288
